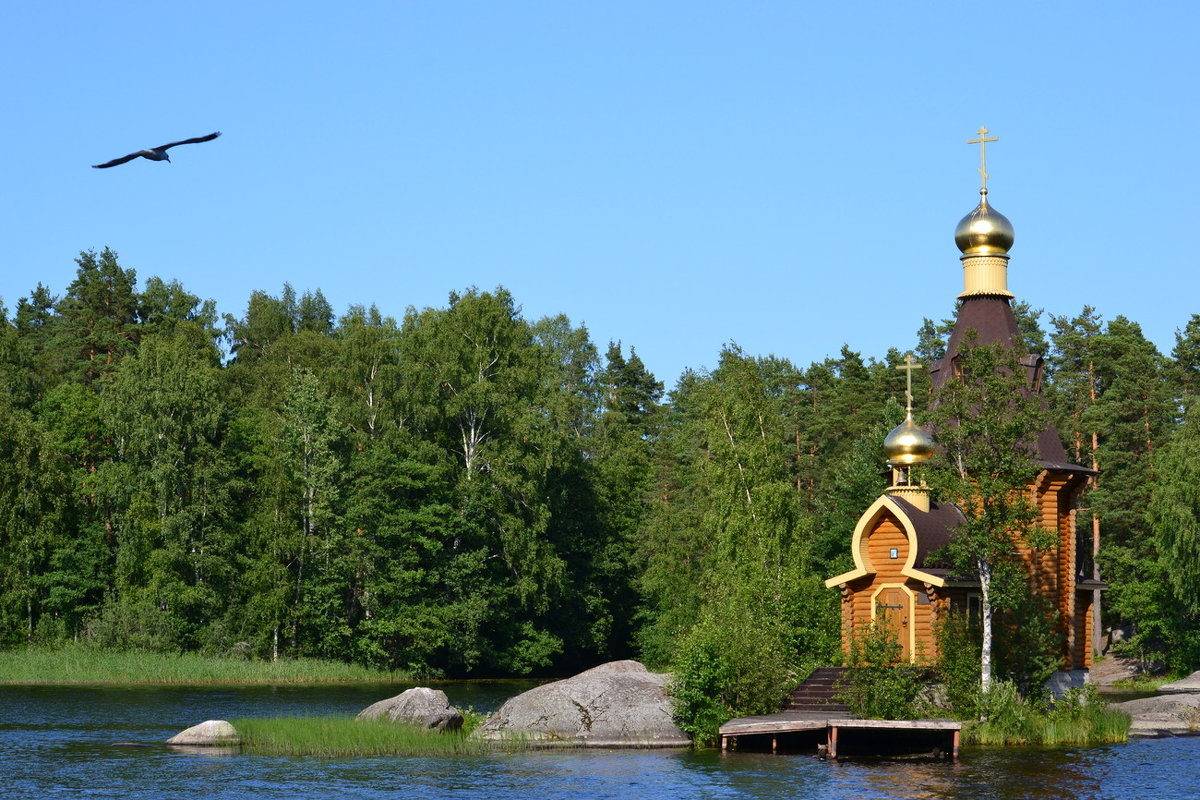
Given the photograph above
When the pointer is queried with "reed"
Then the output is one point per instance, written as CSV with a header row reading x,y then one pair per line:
x,y
1079,718
81,665
349,737
1104,727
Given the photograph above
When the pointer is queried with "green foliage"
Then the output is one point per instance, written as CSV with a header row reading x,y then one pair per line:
x,y
987,419
1029,641
1080,717
735,662
958,664
878,684
737,605
473,492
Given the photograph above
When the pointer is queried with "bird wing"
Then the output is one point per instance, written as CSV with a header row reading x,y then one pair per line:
x,y
116,161
208,138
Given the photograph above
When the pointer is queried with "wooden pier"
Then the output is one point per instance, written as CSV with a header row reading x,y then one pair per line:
x,y
790,731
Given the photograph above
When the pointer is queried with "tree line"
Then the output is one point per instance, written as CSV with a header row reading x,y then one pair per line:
x,y
465,491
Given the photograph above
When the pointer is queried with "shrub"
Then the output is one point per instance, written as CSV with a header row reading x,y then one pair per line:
x,y
733,663
878,686
958,665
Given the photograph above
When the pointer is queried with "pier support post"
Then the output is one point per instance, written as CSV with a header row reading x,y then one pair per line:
x,y
832,746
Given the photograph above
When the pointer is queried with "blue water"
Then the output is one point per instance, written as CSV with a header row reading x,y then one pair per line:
x,y
59,742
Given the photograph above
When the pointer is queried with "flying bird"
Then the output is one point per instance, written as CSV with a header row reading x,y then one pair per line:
x,y
156,153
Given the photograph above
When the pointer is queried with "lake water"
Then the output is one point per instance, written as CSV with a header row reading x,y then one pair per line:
x,y
59,742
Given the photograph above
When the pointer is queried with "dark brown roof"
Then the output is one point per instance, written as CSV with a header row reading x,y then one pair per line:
x,y
992,319
934,527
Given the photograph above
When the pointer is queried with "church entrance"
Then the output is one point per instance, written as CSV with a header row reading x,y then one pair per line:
x,y
893,610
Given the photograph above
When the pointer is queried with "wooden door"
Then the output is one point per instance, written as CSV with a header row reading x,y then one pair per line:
x,y
893,609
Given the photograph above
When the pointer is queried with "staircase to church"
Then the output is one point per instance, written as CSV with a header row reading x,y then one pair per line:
x,y
818,694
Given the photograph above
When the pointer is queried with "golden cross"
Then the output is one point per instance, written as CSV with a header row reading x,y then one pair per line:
x,y
982,142
908,366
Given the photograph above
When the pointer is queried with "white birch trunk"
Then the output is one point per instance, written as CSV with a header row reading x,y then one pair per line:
x,y
985,613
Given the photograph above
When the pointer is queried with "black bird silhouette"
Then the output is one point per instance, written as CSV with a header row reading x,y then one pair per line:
x,y
156,153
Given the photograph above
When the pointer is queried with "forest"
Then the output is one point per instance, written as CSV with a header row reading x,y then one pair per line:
x,y
466,492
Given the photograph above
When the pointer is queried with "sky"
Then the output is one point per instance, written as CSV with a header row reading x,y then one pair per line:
x,y
676,176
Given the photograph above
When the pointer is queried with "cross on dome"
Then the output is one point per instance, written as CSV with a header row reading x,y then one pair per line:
x,y
982,142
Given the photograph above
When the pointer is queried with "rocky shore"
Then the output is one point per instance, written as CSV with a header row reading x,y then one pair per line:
x,y
1173,711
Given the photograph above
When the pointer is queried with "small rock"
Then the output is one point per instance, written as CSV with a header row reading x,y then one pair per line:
x,y
421,706
211,733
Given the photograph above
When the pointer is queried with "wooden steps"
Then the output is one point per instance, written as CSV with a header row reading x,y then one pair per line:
x,y
818,694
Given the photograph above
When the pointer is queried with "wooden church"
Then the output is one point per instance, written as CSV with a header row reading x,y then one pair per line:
x,y
894,579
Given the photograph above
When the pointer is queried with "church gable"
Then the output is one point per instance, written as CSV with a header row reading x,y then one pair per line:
x,y
886,546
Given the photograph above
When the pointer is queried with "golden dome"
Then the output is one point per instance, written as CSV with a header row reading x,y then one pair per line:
x,y
908,444
985,231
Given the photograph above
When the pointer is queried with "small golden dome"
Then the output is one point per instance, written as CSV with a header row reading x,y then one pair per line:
x,y
985,231
908,444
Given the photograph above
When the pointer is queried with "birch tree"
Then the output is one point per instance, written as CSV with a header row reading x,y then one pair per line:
x,y
986,421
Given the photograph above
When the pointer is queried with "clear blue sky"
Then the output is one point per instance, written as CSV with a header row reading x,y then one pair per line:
x,y
675,175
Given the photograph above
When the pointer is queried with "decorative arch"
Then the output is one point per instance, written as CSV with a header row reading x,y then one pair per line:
x,y
866,522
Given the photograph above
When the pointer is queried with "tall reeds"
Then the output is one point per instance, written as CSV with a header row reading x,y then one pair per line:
x,y
1079,718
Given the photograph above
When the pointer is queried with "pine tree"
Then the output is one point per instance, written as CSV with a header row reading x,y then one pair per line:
x,y
97,319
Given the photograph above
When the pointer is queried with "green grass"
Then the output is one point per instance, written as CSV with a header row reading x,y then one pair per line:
x,y
79,665
346,737
1144,683
1101,727
1080,718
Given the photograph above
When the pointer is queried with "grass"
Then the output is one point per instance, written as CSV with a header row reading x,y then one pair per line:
x,y
1100,727
80,665
349,737
1079,718
1144,683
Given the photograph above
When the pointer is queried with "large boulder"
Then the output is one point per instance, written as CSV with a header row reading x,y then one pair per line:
x,y
619,704
1189,684
420,706
210,733
1168,715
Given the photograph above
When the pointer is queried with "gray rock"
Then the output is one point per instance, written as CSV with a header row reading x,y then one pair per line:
x,y
420,706
1189,684
619,704
211,733
1170,715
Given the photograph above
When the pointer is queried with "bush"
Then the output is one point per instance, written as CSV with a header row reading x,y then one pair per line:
x,y
878,685
958,665
1028,644
732,664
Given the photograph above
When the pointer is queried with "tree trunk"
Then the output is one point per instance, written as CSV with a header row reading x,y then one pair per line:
x,y
985,614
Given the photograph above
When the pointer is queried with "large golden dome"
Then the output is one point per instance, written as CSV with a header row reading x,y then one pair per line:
x,y
908,444
985,231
